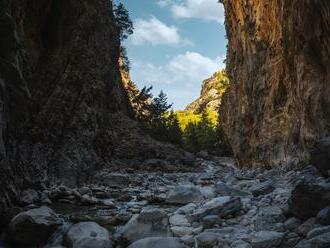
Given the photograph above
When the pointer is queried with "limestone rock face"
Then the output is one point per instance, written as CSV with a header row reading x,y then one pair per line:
x,y
278,58
211,93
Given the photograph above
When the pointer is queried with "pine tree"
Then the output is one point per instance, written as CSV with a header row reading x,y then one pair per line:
x,y
123,21
174,132
191,138
160,107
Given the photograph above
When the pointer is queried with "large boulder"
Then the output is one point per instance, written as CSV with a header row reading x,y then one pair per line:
x,y
221,206
307,199
33,227
184,194
158,242
88,235
151,222
320,156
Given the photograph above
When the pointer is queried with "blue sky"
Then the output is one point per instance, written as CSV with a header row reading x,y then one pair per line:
x,y
176,44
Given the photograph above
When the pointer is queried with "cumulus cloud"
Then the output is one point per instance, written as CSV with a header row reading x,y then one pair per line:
x,y
210,10
155,32
181,77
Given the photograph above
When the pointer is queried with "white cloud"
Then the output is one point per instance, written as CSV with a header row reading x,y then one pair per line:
x,y
180,78
210,10
155,32
162,3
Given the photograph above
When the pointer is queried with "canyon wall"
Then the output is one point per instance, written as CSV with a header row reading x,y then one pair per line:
x,y
60,85
278,63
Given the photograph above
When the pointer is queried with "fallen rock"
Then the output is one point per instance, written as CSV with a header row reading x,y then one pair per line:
x,y
151,222
307,199
88,235
320,156
187,209
184,194
221,206
181,231
158,242
211,220
262,188
323,217
28,197
179,220
266,239
307,226
223,189
33,227
321,241
206,240
318,231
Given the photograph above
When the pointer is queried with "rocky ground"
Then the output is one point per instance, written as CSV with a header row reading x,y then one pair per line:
x,y
220,207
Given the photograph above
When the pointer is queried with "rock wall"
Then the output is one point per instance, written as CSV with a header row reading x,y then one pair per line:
x,y
278,63
60,85
211,93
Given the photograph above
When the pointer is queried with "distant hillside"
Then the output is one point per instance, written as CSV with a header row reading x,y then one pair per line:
x,y
211,93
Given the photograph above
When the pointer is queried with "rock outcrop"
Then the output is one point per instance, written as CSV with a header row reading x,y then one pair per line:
x,y
278,59
211,93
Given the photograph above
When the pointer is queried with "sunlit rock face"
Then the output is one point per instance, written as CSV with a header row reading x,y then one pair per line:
x,y
211,93
278,63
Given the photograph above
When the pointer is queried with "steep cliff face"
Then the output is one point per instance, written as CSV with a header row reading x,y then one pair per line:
x,y
278,64
211,93
60,85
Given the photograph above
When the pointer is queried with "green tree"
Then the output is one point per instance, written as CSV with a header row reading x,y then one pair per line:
x,y
123,21
206,132
142,103
174,132
190,136
160,107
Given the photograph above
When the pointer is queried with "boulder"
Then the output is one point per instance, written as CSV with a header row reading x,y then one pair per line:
x,y
88,235
28,197
307,199
34,226
158,242
151,222
211,220
223,189
323,217
184,194
320,241
262,188
318,231
221,206
320,156
179,220
206,240
266,239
